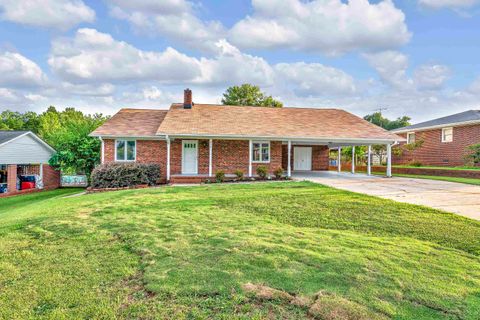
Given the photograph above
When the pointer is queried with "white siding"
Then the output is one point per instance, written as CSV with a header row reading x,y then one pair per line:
x,y
24,150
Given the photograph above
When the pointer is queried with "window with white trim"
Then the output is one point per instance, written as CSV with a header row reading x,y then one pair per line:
x,y
125,150
411,137
447,134
261,151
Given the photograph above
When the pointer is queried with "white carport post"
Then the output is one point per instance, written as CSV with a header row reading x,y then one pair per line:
x,y
289,166
339,157
369,160
249,158
210,147
389,160
353,159
168,158
41,176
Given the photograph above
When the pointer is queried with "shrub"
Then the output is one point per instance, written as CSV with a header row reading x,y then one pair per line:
x,y
415,164
220,176
239,174
119,175
262,172
473,156
278,173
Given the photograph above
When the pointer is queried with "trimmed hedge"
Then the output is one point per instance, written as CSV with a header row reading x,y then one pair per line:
x,y
120,175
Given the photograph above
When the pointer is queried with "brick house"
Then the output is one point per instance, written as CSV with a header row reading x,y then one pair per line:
x,y
24,156
445,140
193,141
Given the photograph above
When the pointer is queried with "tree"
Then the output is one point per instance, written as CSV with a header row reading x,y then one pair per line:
x,y
378,119
248,95
66,131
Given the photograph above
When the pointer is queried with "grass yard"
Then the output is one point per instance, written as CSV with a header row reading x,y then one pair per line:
x,y
439,167
284,250
472,181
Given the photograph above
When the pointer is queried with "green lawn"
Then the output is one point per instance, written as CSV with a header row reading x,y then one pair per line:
x,y
438,167
194,252
442,178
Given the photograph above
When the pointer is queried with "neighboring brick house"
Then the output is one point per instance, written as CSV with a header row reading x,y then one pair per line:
x,y
196,140
24,156
445,140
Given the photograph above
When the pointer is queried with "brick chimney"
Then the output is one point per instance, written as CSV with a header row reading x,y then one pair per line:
x,y
187,99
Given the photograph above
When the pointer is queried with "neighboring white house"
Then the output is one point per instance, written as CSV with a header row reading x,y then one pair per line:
x,y
23,153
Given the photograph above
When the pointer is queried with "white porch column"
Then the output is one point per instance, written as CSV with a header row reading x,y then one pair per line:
x,y
289,166
41,176
249,158
168,158
339,158
210,144
389,160
353,159
369,160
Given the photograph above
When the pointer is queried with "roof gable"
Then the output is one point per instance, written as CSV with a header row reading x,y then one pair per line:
x,y
10,136
132,123
6,136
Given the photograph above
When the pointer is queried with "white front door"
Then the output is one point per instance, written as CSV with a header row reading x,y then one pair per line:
x,y
189,157
302,158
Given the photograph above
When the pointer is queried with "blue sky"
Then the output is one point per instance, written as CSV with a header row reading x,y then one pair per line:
x,y
413,57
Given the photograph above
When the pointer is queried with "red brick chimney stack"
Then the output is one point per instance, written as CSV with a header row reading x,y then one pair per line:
x,y
187,99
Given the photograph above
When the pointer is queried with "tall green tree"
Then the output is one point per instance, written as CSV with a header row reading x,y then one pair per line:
x,y
249,95
66,131
378,119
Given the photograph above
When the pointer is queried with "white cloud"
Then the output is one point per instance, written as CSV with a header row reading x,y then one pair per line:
x,y
61,14
174,19
331,27
18,71
230,66
431,76
391,67
92,56
452,4
315,79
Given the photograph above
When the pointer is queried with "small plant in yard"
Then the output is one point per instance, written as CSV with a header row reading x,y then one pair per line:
x,y
262,172
220,176
278,173
415,164
239,174
473,156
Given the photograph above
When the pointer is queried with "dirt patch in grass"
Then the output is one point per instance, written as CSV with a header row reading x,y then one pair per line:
x,y
323,305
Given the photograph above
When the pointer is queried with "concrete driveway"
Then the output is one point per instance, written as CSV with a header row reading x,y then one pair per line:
x,y
459,198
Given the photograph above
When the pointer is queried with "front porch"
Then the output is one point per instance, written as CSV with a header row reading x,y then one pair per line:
x,y
195,160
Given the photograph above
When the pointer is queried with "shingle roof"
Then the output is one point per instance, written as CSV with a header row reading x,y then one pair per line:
x,y
467,116
9,135
132,123
206,119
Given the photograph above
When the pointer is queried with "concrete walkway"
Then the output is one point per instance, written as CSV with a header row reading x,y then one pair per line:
x,y
459,198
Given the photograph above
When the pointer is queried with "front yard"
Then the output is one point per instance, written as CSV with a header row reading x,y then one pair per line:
x,y
223,251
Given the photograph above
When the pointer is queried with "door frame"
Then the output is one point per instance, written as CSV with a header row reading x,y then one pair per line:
x,y
183,156
295,158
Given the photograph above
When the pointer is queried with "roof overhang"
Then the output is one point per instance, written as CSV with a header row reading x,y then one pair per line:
x,y
323,140
438,126
117,136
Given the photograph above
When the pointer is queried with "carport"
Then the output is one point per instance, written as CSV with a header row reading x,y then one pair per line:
x,y
338,144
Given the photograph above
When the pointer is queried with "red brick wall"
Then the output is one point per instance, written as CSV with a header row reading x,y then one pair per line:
x,y
51,177
12,178
319,157
227,155
437,153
